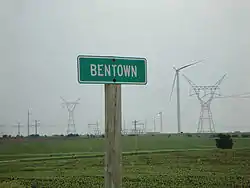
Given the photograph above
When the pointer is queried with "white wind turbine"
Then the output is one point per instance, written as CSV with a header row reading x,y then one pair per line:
x,y
176,78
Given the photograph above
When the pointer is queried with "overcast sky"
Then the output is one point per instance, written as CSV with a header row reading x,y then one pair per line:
x,y
40,42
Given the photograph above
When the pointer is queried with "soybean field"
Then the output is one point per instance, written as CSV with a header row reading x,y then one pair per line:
x,y
148,161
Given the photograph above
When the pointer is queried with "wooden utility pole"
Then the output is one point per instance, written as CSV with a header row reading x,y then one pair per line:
x,y
37,122
136,122
35,127
136,135
18,128
113,177
135,126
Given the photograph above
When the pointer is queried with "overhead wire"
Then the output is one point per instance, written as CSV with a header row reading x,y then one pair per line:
x,y
242,95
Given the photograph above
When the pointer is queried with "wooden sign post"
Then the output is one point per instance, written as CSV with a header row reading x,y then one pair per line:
x,y
113,136
112,72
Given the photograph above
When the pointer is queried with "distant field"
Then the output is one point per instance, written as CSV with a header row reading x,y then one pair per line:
x,y
204,167
68,145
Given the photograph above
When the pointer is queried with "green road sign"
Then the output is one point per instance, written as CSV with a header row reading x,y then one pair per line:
x,y
111,69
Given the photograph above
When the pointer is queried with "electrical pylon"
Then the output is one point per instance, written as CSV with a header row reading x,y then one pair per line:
x,y
71,121
205,95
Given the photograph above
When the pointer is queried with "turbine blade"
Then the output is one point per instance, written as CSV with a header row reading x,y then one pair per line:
x,y
191,64
173,86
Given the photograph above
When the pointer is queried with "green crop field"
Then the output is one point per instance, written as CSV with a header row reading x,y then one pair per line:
x,y
148,161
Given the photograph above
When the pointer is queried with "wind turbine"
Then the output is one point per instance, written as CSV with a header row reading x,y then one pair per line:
x,y
176,78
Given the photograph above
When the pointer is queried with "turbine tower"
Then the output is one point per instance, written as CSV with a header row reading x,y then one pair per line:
x,y
176,78
71,121
205,95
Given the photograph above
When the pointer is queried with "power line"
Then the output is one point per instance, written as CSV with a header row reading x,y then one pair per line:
x,y
242,95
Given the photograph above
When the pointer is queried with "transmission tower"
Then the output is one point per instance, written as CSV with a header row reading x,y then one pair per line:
x,y
71,122
205,95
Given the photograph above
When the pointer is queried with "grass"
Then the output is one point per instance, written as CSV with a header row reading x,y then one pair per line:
x,y
48,147
11,184
67,145
207,167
